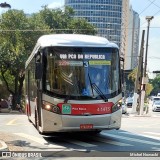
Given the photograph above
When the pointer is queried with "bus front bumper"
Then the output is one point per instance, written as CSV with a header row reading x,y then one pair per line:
x,y
67,123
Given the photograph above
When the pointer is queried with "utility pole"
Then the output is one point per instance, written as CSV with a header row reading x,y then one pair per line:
x,y
137,87
145,78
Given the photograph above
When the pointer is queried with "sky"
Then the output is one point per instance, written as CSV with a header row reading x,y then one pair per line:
x,y
142,7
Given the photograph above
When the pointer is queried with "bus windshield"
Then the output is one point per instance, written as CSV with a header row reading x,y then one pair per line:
x,y
75,71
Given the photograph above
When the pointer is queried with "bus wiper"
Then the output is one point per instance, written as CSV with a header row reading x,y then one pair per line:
x,y
67,98
97,89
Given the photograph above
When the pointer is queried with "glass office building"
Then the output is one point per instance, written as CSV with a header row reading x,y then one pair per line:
x,y
105,15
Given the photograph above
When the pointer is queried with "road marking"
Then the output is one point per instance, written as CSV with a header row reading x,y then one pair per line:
x,y
39,140
12,122
80,143
154,133
112,142
132,139
148,125
156,149
143,135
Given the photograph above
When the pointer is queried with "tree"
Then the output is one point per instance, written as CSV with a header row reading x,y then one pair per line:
x,y
64,21
19,34
149,88
156,85
17,41
132,76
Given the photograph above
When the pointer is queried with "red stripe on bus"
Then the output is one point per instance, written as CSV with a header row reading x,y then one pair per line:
x,y
28,110
82,109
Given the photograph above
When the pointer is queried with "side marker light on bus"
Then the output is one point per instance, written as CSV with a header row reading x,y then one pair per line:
x,y
56,109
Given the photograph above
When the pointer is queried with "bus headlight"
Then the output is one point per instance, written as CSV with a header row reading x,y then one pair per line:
x,y
116,107
51,108
48,107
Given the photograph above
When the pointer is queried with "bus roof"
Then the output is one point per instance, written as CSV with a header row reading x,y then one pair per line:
x,y
77,40
74,40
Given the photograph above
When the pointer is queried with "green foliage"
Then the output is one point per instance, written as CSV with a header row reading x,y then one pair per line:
x,y
19,34
149,88
64,21
156,85
132,76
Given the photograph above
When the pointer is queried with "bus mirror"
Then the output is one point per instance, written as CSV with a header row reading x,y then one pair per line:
x,y
38,72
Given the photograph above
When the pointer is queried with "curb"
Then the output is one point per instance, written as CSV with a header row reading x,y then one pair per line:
x,y
3,145
143,115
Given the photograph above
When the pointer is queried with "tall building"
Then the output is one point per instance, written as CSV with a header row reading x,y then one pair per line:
x,y
115,20
104,14
135,42
130,36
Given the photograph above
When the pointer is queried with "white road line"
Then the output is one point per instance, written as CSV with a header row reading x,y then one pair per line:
x,y
112,142
12,122
143,135
153,133
132,139
39,140
80,143
156,149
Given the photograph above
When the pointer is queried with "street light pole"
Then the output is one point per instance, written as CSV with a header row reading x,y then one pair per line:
x,y
148,18
145,79
5,5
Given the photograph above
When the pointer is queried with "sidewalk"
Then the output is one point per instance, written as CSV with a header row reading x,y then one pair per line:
x,y
4,136
3,146
135,114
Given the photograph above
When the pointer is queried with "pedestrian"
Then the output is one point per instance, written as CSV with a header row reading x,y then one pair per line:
x,y
0,105
10,99
18,106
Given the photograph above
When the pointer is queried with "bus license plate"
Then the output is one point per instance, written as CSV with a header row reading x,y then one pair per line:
x,y
86,126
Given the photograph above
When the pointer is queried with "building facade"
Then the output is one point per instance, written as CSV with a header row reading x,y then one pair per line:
x,y
115,20
130,36
105,15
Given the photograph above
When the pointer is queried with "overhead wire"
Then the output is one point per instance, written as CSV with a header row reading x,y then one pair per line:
x,y
151,3
154,13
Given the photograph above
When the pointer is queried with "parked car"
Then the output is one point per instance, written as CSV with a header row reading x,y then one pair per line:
x,y
154,99
156,106
4,106
124,108
129,102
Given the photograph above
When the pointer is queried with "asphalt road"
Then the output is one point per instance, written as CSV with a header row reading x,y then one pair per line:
x,y
137,134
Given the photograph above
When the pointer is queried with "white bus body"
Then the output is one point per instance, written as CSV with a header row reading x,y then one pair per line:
x,y
73,84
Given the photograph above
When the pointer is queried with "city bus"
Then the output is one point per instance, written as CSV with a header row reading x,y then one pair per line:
x,y
73,84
